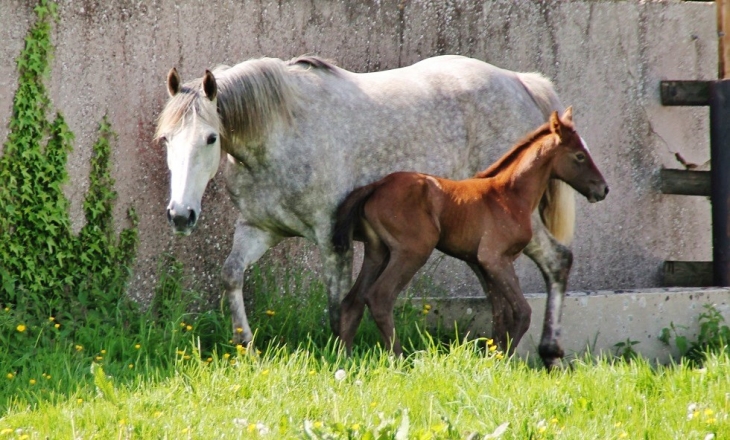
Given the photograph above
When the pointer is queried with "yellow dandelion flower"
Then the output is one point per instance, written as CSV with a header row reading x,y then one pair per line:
x,y
188,327
79,401
10,375
425,311
103,351
24,437
226,355
499,355
709,412
186,357
99,358
490,341
623,434
239,330
158,414
185,430
57,325
492,348
131,366
251,427
182,324
270,312
356,427
312,372
711,421
554,421
137,346
21,328
122,422
48,376
265,372
427,307
6,431
32,381
180,352
7,309
542,429
78,347
51,318
232,362
373,404
209,360
317,424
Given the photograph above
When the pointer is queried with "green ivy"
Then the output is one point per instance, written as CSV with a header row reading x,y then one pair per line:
x,y
44,268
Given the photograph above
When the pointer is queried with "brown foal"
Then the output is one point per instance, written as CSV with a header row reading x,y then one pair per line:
x,y
484,221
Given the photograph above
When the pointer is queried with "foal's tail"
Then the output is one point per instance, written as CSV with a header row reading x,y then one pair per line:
x,y
347,213
557,208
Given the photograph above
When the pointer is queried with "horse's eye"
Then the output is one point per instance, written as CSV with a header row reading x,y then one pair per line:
x,y
211,139
162,140
581,157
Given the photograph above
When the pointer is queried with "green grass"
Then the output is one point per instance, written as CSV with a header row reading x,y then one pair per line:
x,y
170,373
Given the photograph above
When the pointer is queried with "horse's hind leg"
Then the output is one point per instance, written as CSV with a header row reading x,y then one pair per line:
x,y
353,305
554,261
249,244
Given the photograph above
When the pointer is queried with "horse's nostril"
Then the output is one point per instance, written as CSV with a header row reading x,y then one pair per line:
x,y
606,193
191,218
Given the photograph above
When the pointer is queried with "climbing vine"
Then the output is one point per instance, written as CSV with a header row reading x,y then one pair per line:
x,y
44,267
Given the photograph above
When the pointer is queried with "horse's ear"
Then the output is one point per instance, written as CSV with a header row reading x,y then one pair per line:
x,y
209,86
173,82
555,124
568,114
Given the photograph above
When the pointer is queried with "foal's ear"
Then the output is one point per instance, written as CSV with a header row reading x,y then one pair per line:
x,y
173,82
209,86
555,124
568,114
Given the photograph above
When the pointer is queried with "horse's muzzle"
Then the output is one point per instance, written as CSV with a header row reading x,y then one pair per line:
x,y
182,221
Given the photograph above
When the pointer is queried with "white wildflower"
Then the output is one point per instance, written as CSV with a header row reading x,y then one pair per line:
x,y
340,374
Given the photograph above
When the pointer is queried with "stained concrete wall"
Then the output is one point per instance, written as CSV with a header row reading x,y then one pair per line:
x,y
605,57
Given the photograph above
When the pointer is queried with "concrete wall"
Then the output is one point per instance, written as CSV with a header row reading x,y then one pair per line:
x,y
605,57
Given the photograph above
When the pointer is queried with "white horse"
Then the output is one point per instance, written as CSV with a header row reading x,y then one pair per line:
x,y
299,135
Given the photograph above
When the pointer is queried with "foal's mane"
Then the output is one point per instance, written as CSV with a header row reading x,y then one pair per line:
x,y
252,96
517,150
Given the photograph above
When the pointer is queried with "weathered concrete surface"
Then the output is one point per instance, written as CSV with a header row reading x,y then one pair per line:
x,y
595,321
605,57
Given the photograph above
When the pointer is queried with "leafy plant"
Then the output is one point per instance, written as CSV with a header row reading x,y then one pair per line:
x,y
712,338
625,350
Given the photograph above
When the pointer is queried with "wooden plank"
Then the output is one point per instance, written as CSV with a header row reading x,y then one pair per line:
x,y
687,274
684,182
723,42
720,179
684,92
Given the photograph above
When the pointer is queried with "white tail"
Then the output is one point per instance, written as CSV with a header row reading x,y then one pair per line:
x,y
557,208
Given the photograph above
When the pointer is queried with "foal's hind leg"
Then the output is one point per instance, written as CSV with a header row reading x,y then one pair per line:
x,y
249,244
381,297
353,305
554,260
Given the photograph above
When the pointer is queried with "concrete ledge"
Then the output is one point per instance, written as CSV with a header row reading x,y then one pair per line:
x,y
596,320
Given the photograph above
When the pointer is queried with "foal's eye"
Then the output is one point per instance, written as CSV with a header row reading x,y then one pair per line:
x,y
162,140
580,157
211,139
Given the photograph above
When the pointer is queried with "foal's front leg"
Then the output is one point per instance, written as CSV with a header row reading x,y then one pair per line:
x,y
510,310
554,261
249,244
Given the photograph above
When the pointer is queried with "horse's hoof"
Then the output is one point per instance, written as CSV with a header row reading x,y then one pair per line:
x,y
551,355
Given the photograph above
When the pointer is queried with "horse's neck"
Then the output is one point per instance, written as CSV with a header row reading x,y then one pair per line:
x,y
526,176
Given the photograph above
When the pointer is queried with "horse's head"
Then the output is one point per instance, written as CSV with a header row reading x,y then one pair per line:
x,y
189,127
573,164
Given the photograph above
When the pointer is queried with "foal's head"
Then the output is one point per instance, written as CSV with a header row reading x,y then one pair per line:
x,y
572,163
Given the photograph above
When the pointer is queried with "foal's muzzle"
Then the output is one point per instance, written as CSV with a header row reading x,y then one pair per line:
x,y
182,220
598,192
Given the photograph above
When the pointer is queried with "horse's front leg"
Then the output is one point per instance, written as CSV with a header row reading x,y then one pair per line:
x,y
554,261
249,244
337,276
